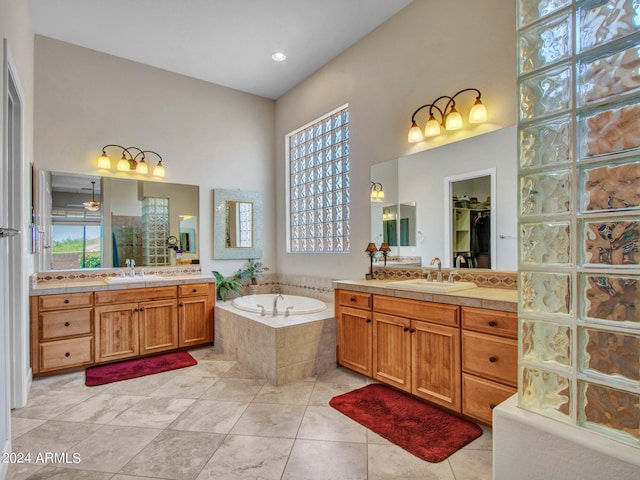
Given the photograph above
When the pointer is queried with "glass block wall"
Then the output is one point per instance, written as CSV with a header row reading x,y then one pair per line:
x,y
579,204
155,222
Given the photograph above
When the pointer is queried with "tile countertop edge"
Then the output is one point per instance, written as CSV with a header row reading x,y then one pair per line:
x,y
480,297
53,288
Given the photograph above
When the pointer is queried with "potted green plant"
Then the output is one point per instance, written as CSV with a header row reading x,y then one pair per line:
x,y
253,270
224,285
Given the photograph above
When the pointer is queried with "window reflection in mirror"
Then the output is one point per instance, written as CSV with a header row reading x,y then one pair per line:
x,y
239,229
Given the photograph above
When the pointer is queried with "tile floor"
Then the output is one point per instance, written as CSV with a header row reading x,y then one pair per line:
x,y
214,421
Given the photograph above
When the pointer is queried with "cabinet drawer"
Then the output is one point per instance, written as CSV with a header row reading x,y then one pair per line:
x,y
193,289
65,323
493,322
491,357
65,300
107,297
429,311
66,353
354,299
480,397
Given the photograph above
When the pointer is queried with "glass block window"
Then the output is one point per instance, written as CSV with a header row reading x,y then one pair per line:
x,y
243,226
318,185
155,222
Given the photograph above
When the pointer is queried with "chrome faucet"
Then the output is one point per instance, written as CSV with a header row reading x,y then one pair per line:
x,y
131,263
274,312
460,259
439,263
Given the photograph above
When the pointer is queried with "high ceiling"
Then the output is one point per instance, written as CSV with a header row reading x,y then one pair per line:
x,y
226,42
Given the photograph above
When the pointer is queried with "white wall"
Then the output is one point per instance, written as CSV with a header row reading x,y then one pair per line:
x,y
407,62
86,99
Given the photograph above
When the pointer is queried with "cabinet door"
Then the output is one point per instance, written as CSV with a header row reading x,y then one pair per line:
x,y
354,339
158,326
196,327
435,357
116,332
392,350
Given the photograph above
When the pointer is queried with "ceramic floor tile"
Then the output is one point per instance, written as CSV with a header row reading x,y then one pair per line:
x,y
268,420
208,368
174,455
233,390
101,408
210,416
112,447
20,426
52,436
472,464
182,386
247,458
213,423
326,423
22,471
157,412
297,393
318,460
390,461
50,404
140,386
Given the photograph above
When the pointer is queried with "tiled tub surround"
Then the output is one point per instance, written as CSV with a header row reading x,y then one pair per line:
x,y
280,349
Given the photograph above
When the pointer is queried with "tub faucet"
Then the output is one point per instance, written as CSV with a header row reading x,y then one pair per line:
x,y
460,259
275,305
439,263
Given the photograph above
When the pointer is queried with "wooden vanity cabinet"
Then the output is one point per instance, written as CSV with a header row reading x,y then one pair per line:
x,y
489,360
135,322
195,313
416,348
62,331
354,328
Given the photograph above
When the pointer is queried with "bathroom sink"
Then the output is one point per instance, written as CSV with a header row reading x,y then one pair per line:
x,y
422,285
144,278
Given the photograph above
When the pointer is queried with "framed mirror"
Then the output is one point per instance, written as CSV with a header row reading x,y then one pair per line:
x,y
237,224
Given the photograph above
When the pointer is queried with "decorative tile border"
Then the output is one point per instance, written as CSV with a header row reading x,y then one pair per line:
x,y
93,275
481,277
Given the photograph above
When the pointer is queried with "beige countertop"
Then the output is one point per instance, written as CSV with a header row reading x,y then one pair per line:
x,y
55,287
481,297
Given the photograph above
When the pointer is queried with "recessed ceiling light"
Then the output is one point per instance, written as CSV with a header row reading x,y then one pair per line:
x,y
279,56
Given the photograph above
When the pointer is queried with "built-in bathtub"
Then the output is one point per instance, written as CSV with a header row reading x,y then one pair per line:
x,y
281,349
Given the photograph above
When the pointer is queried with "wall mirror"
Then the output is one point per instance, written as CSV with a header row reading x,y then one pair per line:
x,y
99,222
417,181
237,224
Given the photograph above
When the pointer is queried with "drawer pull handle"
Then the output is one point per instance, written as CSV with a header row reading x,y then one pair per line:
x,y
66,300
194,290
493,359
142,309
352,299
182,304
492,406
411,330
67,354
406,329
492,323
368,320
67,324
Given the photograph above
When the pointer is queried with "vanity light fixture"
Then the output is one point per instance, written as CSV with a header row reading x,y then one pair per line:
x,y
129,161
376,192
450,118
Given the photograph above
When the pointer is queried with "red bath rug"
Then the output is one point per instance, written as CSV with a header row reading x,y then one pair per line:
x,y
425,431
139,367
